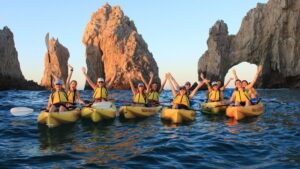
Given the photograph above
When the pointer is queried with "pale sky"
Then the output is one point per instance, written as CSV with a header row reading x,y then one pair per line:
x,y
175,31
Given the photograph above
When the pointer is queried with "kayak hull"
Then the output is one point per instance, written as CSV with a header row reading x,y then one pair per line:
x,y
178,115
240,112
213,108
131,112
97,114
55,119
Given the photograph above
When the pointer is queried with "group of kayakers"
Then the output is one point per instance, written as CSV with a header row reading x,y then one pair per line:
x,y
65,95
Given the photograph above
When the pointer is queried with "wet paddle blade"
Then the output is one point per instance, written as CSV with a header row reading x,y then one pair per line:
x,y
21,111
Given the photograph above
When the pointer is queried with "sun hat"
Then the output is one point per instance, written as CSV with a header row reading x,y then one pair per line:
x,y
214,83
100,80
58,82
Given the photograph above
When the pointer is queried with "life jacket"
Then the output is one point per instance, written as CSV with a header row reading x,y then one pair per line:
x,y
100,93
215,96
184,100
58,97
140,98
241,96
153,96
72,96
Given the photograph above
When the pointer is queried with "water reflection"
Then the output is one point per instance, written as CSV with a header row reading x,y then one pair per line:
x,y
268,141
56,139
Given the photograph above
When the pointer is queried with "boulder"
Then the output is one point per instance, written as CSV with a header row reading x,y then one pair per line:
x,y
11,76
56,62
111,39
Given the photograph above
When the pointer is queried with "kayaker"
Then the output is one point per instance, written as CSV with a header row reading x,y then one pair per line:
x,y
153,93
58,99
71,89
100,88
139,94
215,90
187,84
240,96
181,99
251,92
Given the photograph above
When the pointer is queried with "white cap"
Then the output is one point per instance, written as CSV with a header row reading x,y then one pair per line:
x,y
100,79
214,83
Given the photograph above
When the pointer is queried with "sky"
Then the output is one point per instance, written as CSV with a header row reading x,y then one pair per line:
x,y
176,31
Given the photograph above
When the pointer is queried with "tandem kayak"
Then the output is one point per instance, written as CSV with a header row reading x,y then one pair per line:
x,y
99,111
213,108
131,112
178,115
240,112
55,119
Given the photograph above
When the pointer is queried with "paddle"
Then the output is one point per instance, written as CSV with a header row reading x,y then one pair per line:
x,y
21,111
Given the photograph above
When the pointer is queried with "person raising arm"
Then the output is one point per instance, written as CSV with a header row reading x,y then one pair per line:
x,y
139,94
100,89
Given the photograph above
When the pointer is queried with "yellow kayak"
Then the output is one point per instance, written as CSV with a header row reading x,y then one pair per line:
x,y
99,111
54,119
240,112
213,107
131,112
178,115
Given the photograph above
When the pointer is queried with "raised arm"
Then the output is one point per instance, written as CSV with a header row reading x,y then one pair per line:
x,y
226,84
131,84
143,79
259,68
206,82
171,86
69,77
234,74
93,85
174,81
150,81
163,83
56,78
111,82
200,84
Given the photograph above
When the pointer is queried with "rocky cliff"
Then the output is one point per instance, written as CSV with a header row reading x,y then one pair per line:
x,y
11,76
269,35
111,38
56,62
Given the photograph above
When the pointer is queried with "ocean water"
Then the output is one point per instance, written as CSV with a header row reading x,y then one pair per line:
x,y
271,140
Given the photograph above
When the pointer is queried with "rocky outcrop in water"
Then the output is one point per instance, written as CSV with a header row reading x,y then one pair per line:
x,y
269,35
56,62
11,76
111,38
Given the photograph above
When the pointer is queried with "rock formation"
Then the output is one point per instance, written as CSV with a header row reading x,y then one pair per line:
x,y
111,38
58,65
11,76
269,35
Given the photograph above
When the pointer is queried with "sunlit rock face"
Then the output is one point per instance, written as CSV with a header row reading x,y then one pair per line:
x,y
56,62
269,35
111,39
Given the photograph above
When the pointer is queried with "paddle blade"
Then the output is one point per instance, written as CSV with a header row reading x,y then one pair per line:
x,y
21,111
103,105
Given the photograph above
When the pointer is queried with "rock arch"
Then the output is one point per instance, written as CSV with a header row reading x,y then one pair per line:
x,y
269,35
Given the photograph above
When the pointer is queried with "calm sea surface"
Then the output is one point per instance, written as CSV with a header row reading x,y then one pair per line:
x,y
268,141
